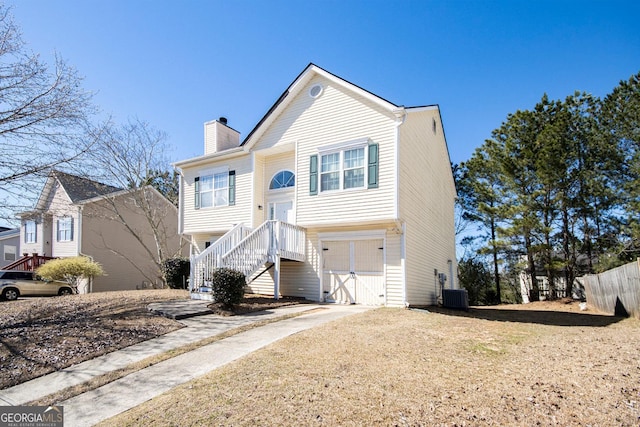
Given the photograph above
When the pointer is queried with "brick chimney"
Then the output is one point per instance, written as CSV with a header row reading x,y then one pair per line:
x,y
219,137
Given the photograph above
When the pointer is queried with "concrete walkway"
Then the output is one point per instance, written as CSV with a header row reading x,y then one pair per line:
x,y
104,402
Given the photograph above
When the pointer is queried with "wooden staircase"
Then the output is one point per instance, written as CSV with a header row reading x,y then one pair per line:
x,y
28,262
246,250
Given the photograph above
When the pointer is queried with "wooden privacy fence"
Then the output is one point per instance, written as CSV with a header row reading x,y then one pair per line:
x,y
615,289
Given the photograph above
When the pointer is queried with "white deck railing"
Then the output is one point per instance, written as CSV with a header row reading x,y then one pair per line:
x,y
211,257
247,254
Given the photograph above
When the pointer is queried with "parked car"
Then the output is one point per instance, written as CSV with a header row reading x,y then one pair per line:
x,y
14,283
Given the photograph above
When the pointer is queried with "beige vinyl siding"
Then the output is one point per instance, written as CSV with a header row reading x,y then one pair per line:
x,y
303,279
299,279
220,218
427,194
64,248
270,165
276,163
263,285
337,116
258,215
125,260
38,246
60,206
394,275
199,241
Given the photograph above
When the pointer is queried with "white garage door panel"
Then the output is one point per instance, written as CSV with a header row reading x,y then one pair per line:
x,y
353,271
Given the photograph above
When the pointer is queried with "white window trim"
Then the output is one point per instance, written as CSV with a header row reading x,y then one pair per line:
x,y
67,220
341,146
212,173
341,170
14,253
34,234
282,189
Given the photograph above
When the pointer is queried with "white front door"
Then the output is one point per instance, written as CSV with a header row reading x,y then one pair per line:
x,y
281,211
353,271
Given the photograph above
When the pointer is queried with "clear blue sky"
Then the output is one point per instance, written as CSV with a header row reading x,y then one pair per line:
x,y
177,64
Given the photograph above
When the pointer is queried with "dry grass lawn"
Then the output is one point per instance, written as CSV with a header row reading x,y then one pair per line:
x,y
496,366
42,335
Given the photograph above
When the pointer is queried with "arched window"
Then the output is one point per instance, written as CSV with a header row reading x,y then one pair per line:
x,y
282,179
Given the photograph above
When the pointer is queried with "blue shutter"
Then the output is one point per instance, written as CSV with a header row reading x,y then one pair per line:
x,y
373,166
57,230
313,175
197,192
232,188
71,231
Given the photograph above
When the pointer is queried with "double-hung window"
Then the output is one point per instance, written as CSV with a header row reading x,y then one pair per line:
x,y
30,232
215,189
345,166
65,229
10,253
353,168
330,172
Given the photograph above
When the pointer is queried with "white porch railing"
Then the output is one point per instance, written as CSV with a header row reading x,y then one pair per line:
x,y
211,257
264,244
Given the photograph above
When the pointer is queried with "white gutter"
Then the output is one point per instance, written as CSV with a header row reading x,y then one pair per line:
x,y
220,155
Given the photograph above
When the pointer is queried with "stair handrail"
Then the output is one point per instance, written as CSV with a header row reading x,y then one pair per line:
x,y
245,250
290,240
211,256
252,252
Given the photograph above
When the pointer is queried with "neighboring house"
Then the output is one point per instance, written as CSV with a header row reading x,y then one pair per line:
x,y
9,246
583,266
77,216
544,290
335,195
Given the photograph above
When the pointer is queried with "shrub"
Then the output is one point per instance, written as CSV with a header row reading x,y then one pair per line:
x,y
227,286
175,271
71,270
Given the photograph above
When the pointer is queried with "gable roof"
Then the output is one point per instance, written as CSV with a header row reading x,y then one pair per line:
x,y
79,188
287,97
76,187
297,85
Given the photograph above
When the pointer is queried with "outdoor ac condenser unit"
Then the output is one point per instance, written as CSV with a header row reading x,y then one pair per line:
x,y
455,298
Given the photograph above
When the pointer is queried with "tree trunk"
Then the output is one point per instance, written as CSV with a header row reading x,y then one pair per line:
x,y
534,294
496,273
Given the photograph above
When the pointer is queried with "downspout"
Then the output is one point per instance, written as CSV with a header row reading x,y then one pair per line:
x,y
79,234
180,199
403,265
400,114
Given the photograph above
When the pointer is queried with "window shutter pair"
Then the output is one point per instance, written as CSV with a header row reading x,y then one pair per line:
x,y
232,190
59,237
372,170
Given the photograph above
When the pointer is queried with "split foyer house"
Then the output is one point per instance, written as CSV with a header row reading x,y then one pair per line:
x,y
336,195
77,216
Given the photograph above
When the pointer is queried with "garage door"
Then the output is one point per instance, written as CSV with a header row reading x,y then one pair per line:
x,y
353,271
